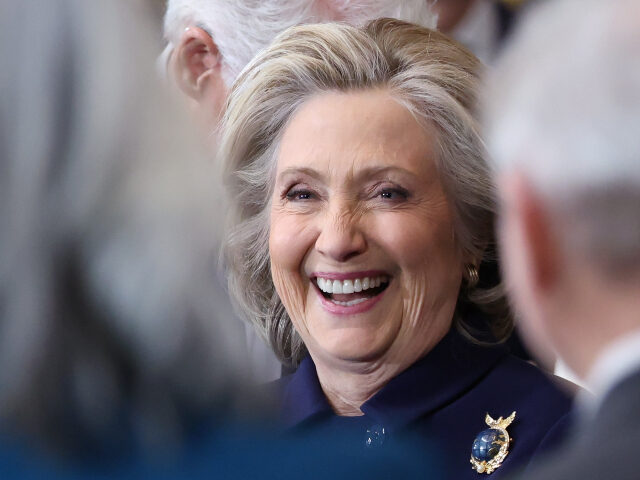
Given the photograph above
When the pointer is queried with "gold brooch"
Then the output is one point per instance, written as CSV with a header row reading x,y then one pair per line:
x,y
491,446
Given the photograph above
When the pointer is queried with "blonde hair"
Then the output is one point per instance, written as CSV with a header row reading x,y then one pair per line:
x,y
435,78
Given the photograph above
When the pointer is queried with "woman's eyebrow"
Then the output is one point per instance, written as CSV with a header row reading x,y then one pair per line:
x,y
376,171
293,171
360,174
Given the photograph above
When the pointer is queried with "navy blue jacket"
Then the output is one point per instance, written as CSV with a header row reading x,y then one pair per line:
x,y
603,446
439,404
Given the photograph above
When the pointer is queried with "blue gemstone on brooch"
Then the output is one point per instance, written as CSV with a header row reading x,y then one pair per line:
x,y
491,446
486,445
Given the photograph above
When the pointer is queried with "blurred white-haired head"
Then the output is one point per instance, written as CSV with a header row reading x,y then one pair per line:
x,y
211,41
562,122
564,110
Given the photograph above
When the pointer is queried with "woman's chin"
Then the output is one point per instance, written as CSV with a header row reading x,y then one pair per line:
x,y
355,346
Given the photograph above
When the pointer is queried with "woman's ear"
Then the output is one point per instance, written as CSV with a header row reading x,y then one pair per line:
x,y
194,61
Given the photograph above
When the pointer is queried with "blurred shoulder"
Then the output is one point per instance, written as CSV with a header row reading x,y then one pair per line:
x,y
527,380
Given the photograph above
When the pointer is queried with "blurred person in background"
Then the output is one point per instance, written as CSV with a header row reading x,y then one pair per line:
x,y
480,25
362,215
209,42
113,324
563,122
117,357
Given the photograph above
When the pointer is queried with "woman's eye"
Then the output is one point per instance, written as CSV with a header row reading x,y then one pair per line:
x,y
394,194
299,195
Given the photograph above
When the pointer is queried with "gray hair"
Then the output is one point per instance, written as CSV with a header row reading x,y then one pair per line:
x,y
564,110
435,78
241,28
108,236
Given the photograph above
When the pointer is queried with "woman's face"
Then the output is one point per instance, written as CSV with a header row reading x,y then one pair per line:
x,y
363,253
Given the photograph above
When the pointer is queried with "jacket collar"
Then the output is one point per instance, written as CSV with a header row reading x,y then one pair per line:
x,y
432,382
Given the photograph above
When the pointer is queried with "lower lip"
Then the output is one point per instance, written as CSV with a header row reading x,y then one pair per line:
x,y
361,307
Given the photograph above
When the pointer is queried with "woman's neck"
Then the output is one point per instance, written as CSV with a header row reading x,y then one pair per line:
x,y
348,384
347,390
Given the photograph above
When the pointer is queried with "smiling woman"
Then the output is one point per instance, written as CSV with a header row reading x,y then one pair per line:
x,y
362,209
358,204
315,69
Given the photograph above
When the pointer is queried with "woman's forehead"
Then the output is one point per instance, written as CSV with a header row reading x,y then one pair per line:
x,y
367,129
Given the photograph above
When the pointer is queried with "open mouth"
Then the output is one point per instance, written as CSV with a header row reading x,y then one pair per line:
x,y
348,293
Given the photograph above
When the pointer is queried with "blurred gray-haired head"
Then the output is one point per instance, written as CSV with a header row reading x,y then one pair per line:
x,y
109,228
242,28
564,111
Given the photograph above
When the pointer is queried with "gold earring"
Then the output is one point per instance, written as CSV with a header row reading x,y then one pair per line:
x,y
472,275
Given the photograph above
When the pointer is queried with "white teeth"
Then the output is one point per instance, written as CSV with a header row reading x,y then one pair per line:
x,y
325,285
347,286
350,303
350,286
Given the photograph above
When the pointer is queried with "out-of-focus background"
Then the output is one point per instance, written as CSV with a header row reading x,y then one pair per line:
x,y
478,16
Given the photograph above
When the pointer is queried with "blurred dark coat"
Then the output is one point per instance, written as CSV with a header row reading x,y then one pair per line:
x,y
224,450
606,446
438,405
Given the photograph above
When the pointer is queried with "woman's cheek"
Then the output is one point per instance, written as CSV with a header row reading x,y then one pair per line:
x,y
415,293
291,291
287,249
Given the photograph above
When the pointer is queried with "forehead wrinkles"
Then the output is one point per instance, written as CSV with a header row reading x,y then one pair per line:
x,y
345,169
343,136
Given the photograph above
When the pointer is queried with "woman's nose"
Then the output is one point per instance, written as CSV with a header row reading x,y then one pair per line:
x,y
340,237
